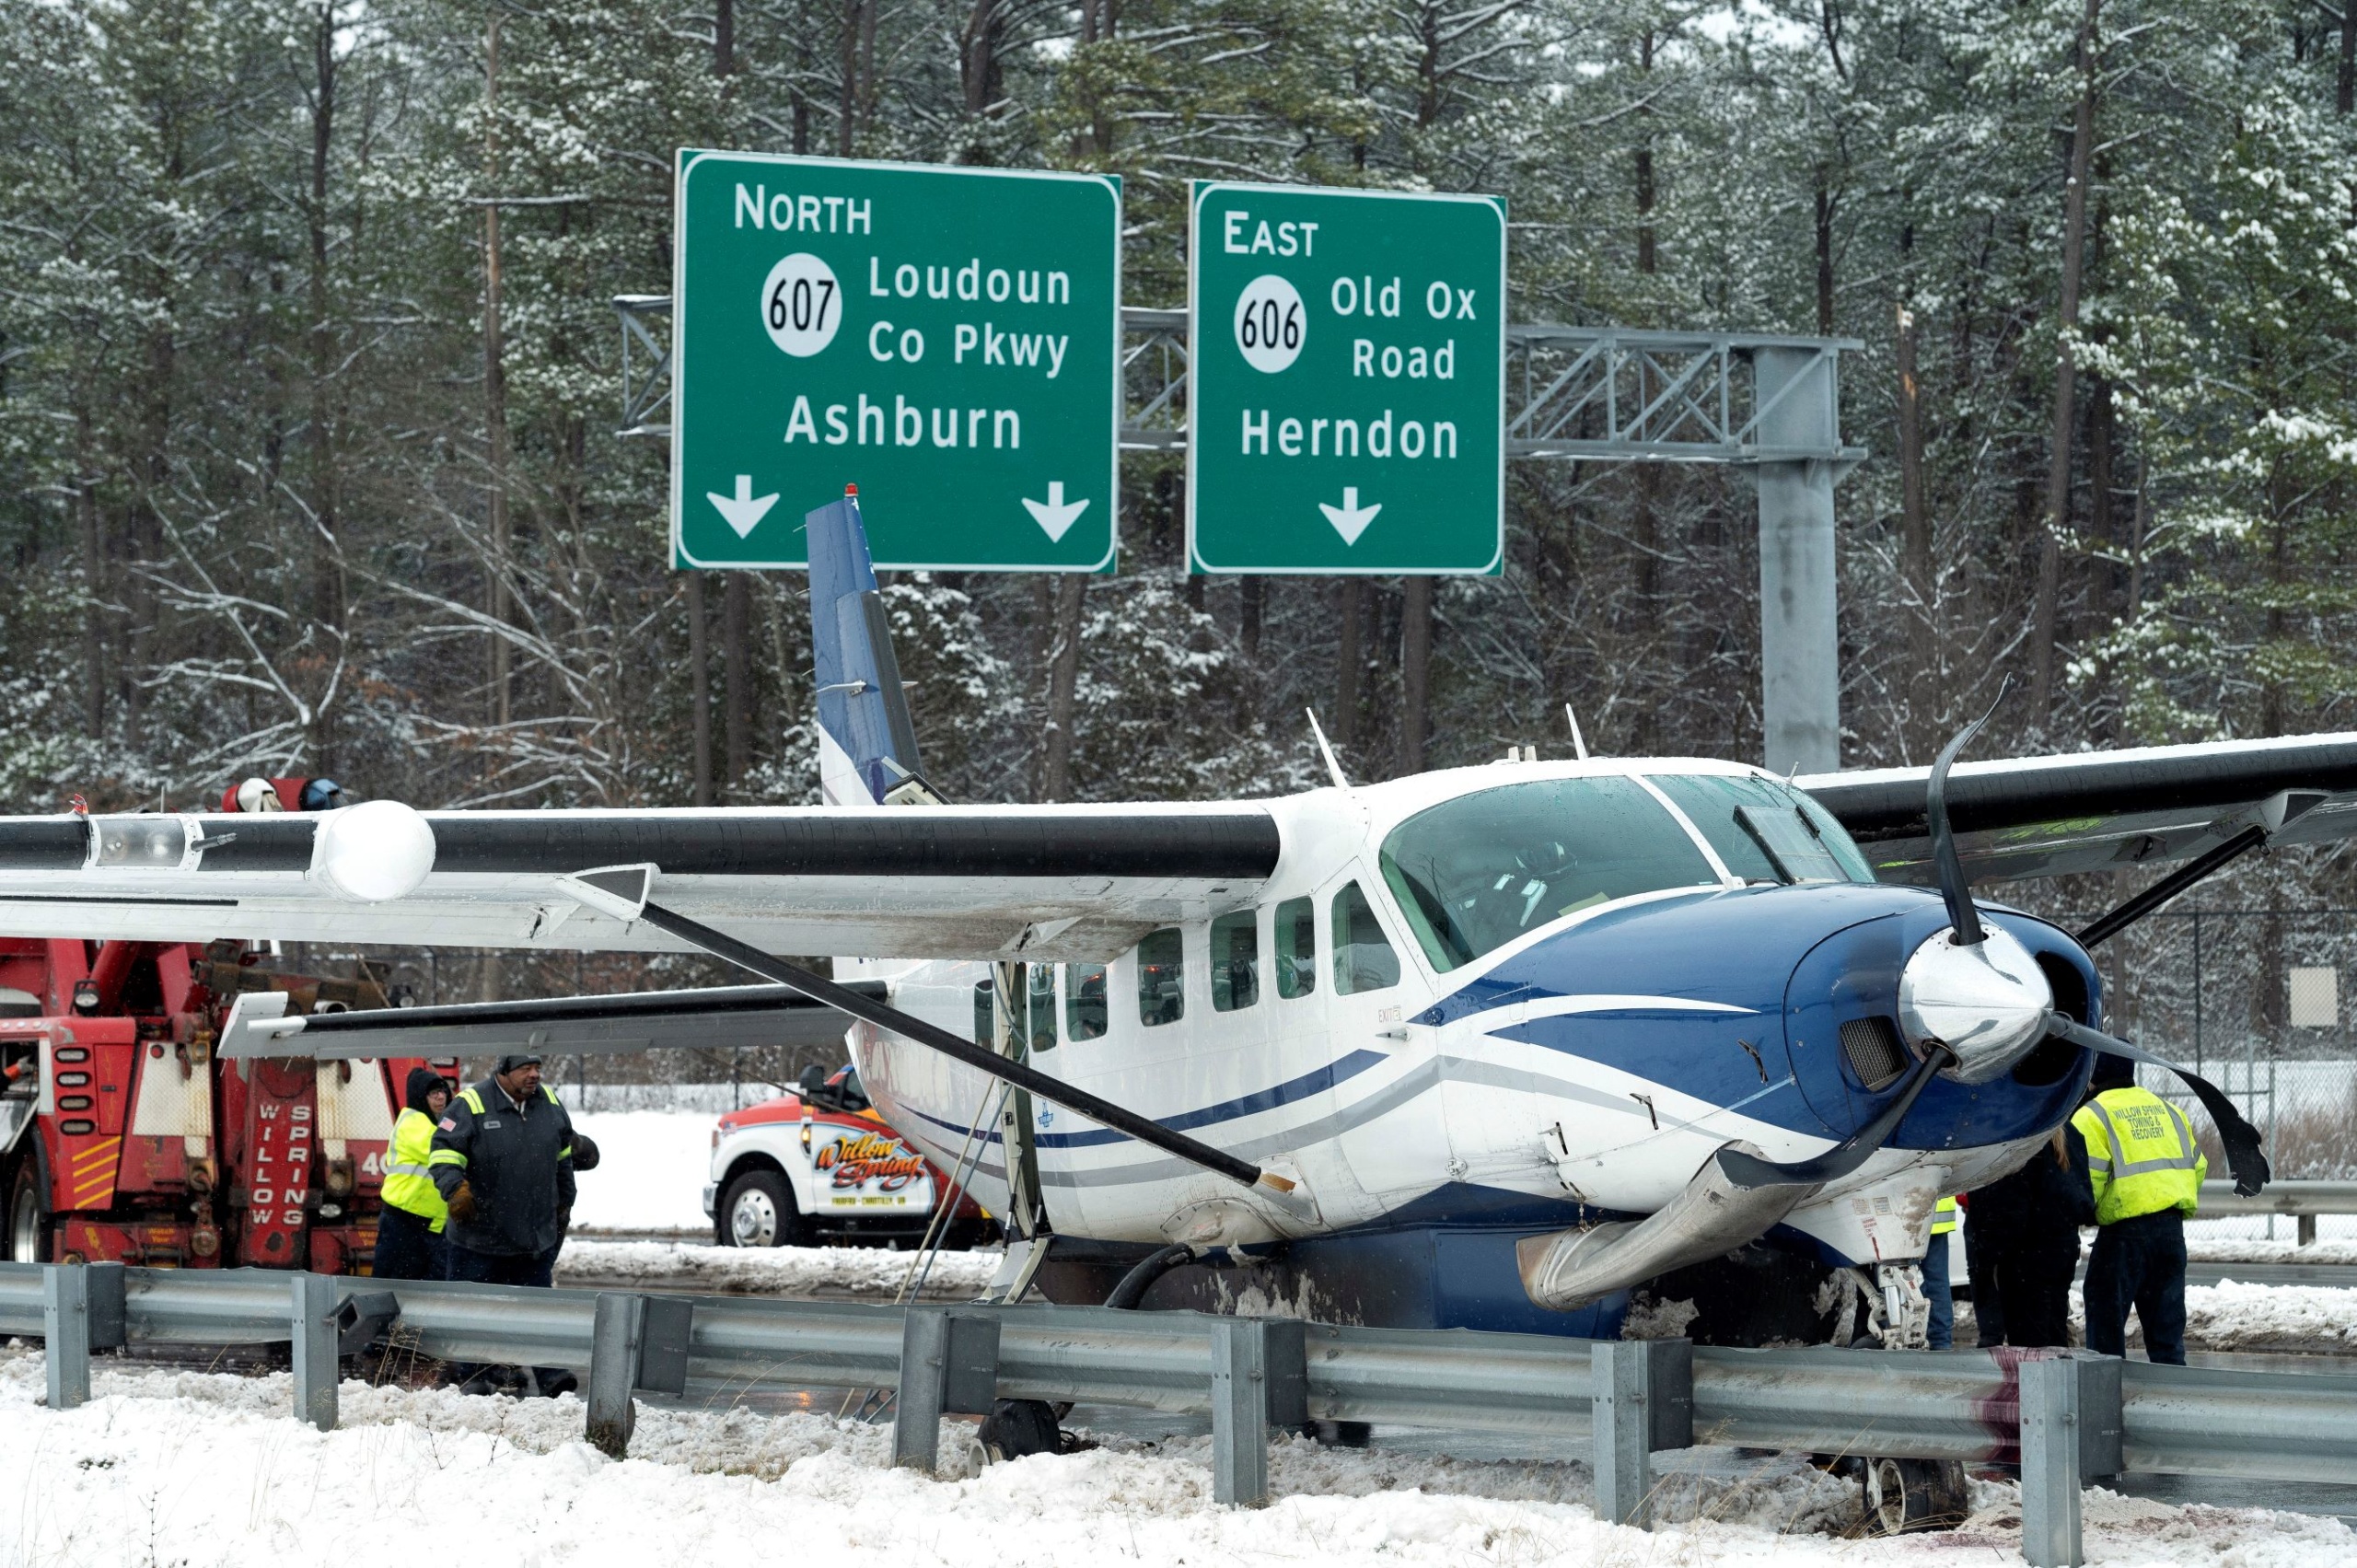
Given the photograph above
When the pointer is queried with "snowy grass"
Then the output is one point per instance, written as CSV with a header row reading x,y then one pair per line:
x,y
184,1469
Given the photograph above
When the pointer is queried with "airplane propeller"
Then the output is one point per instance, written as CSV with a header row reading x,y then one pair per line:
x,y
2243,1155
1749,1170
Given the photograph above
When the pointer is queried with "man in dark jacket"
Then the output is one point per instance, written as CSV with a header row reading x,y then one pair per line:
x,y
2025,1241
503,1160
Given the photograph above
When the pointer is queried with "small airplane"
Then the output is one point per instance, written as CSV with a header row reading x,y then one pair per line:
x,y
1488,1047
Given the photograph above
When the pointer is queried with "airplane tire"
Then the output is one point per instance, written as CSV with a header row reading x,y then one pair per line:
x,y
1909,1496
1018,1428
758,1210
28,1216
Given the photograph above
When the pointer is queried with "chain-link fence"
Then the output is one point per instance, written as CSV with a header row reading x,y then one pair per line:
x,y
2251,999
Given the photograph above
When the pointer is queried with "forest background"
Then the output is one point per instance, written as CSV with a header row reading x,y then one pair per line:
x,y
309,383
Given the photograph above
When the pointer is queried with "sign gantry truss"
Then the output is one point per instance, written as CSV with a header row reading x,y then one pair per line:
x,y
1602,393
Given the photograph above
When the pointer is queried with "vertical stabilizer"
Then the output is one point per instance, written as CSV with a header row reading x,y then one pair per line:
x,y
867,750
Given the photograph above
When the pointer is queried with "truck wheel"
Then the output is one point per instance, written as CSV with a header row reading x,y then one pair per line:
x,y
758,1211
28,1216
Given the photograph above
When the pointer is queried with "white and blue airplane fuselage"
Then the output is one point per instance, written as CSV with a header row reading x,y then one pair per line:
x,y
1495,999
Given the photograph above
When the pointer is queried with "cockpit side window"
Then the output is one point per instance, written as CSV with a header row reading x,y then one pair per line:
x,y
1474,872
1363,959
1765,831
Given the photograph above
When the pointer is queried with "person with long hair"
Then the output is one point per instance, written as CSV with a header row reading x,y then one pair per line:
x,y
2023,1235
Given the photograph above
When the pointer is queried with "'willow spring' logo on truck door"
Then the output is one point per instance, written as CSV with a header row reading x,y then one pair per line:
x,y
870,1162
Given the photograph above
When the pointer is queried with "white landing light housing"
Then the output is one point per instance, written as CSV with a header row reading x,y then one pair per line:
x,y
1986,1002
373,852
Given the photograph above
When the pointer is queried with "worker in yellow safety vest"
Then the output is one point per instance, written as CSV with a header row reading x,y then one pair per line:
x,y
2146,1171
1935,1275
409,1243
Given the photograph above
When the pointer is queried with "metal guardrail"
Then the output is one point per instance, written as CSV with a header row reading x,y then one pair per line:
x,y
2306,1199
2065,1415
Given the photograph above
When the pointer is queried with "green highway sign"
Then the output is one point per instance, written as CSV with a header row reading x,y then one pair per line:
x,y
1346,364
947,340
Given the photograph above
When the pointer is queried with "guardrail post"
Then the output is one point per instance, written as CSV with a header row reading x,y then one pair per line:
x,y
949,1365
318,1303
110,1305
617,1336
65,1331
2050,1463
916,1411
1643,1400
1241,1375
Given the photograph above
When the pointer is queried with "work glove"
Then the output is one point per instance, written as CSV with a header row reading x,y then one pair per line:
x,y
462,1203
564,1220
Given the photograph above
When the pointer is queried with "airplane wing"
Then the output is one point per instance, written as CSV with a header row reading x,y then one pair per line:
x,y
2101,810
1047,882
715,1018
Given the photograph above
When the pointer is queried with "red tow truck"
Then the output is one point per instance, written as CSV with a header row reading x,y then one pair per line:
x,y
123,1139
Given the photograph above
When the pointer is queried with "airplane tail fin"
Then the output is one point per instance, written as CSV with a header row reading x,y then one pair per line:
x,y
867,748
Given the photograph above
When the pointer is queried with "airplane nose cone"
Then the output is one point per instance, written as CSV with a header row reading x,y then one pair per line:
x,y
1986,1002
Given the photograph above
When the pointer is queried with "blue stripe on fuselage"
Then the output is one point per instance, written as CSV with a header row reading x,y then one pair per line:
x,y
1314,1082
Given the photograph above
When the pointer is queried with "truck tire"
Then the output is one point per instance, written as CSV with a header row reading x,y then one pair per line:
x,y
27,1214
757,1209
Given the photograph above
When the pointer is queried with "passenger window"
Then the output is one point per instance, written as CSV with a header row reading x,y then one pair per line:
x,y
985,1016
1297,948
1084,1001
1236,961
1162,978
1363,957
1043,987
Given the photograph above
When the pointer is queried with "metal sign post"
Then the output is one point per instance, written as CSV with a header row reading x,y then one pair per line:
x,y
1347,382
947,340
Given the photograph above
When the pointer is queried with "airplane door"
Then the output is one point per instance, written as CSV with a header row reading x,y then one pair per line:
x,y
1405,1151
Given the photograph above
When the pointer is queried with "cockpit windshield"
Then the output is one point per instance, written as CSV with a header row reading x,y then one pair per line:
x,y
1765,831
1474,872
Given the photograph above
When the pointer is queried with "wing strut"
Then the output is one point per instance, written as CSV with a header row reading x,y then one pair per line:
x,y
720,945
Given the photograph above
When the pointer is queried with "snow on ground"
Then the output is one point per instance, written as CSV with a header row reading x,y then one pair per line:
x,y
2231,1316
772,1270
193,1470
2257,1250
651,1171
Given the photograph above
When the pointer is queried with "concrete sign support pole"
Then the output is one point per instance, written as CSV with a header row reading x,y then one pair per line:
x,y
1799,631
316,1304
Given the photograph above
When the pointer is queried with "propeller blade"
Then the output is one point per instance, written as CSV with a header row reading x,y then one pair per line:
x,y
1751,1170
1954,888
2243,1155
